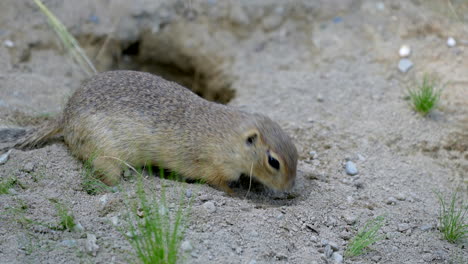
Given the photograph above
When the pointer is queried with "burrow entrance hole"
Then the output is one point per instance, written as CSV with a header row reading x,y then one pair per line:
x,y
189,67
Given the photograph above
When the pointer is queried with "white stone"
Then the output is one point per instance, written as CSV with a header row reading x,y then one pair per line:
x,y
404,51
8,43
451,42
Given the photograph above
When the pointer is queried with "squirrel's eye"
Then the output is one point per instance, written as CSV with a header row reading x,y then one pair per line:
x,y
251,139
273,162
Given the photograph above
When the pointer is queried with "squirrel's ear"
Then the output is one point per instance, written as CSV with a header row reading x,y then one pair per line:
x,y
251,137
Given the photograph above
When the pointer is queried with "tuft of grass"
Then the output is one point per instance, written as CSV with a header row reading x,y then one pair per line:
x,y
154,231
365,237
453,219
7,184
67,220
425,96
68,41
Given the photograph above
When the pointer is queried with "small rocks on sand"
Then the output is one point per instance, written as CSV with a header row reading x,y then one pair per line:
x,y
209,207
404,65
91,246
350,168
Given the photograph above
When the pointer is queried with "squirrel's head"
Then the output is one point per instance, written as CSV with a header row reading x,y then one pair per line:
x,y
270,153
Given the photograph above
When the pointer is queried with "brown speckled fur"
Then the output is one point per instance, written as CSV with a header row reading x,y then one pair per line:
x,y
141,118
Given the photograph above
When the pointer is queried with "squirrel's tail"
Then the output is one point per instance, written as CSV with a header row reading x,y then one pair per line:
x,y
32,138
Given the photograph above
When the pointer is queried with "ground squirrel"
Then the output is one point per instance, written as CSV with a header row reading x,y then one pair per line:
x,y
140,118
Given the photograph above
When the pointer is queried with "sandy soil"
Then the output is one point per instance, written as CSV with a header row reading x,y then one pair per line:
x,y
325,70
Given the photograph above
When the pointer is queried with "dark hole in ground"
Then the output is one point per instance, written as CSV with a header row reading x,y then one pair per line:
x,y
205,84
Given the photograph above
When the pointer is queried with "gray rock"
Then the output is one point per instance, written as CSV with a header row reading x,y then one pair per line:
x,y
272,22
337,257
401,197
328,252
350,168
68,243
404,65
426,227
346,235
391,200
78,228
209,207
204,198
188,193
91,246
186,246
238,15
333,245
8,43
403,227
313,154
29,167
349,219
12,191
253,261
4,157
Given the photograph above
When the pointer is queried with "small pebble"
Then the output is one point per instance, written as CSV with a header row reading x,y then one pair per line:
x,y
404,65
345,235
333,246
186,246
404,51
320,98
391,200
68,243
253,261
209,207
328,251
12,191
425,227
4,157
400,197
451,42
103,199
78,228
114,220
349,219
403,227
204,198
351,168
188,193
337,257
8,43
29,167
361,158
313,154
91,246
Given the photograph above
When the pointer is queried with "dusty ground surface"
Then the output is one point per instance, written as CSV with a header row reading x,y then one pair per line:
x,y
325,70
